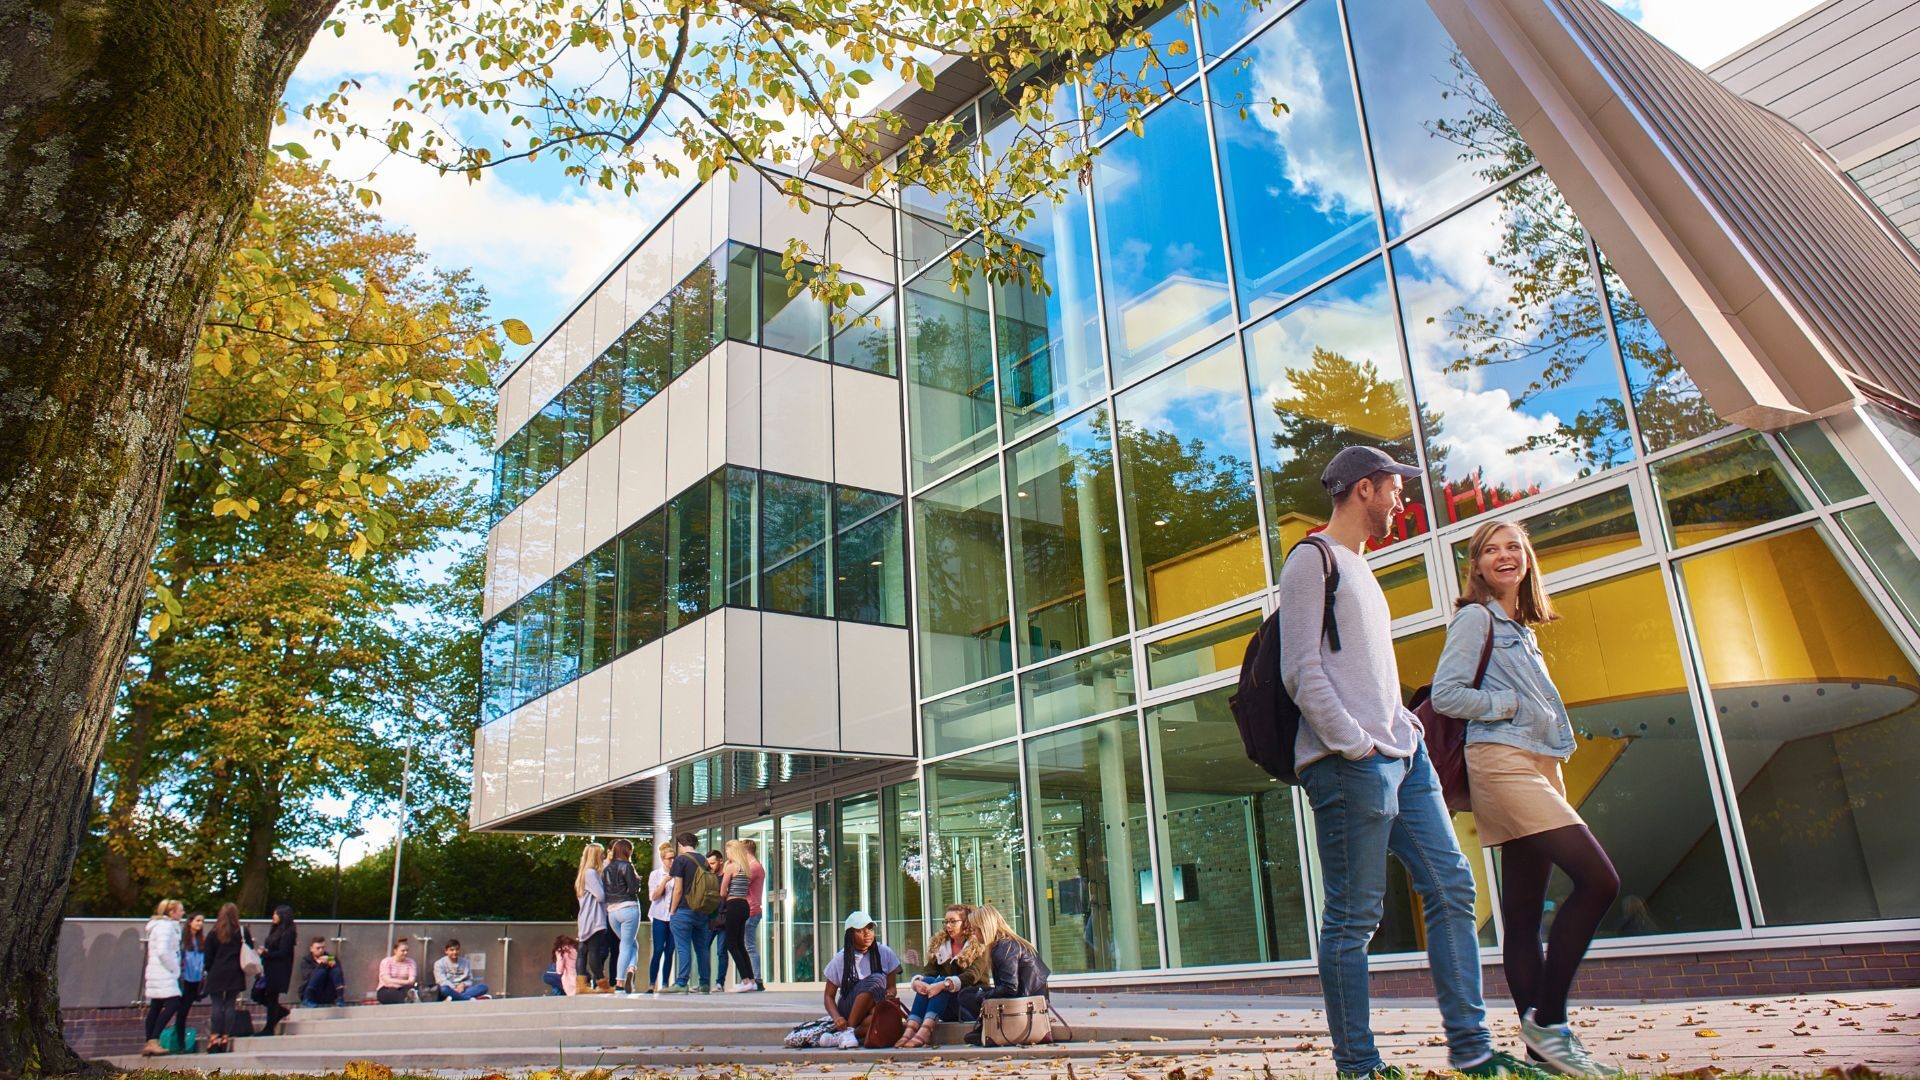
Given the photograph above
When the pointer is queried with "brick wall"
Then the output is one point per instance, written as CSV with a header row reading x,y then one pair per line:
x,y
1763,972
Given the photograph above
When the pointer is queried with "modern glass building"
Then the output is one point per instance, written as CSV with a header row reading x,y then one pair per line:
x,y
945,604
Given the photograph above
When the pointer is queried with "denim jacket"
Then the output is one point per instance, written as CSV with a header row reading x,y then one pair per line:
x,y
1517,703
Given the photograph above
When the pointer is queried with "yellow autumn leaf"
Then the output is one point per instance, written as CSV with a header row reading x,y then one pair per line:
x,y
516,331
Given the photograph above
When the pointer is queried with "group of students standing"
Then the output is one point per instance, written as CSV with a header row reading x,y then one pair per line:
x,y
691,901
1362,756
187,960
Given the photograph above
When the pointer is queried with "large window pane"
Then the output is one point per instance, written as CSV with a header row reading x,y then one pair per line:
x,y
1515,377
1136,72
977,851
1093,858
498,641
1299,205
795,322
1160,251
690,535
1892,560
602,604
1595,528
857,856
949,371
546,432
699,312
1229,854
1819,712
1068,587
1225,22
1638,777
736,552
606,376
1050,358
869,558
1077,687
1220,646
960,584
969,718
1438,135
643,582
1193,530
576,406
1826,471
530,658
648,346
924,229
794,545
1326,376
904,869
743,292
865,338
1669,408
1724,487
564,625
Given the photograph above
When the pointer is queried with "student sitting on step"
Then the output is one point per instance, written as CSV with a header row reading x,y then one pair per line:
x,y
397,976
453,973
859,976
321,980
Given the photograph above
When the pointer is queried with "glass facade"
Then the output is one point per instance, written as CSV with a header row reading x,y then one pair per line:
x,y
739,538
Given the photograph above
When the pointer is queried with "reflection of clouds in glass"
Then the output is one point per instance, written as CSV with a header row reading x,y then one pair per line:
x,y
1315,138
1200,401
1355,326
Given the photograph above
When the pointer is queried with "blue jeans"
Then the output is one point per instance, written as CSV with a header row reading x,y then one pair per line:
x,y
660,963
626,925
1361,811
326,986
692,937
473,990
753,947
944,1005
555,988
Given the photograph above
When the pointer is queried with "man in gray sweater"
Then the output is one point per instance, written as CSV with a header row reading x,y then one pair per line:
x,y
1361,758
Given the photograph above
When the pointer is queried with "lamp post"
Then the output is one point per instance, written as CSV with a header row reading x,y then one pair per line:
x,y
399,840
352,832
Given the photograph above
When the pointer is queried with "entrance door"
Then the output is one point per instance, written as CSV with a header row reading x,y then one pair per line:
x,y
762,834
793,915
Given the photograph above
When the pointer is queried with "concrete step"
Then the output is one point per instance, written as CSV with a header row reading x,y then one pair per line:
x,y
537,1012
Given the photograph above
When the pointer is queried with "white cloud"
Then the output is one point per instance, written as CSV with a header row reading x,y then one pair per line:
x,y
1705,31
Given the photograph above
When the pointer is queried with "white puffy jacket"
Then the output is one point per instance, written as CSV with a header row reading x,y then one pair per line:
x,y
163,959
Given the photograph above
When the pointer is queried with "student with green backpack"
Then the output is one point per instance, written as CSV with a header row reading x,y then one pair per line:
x,y
696,896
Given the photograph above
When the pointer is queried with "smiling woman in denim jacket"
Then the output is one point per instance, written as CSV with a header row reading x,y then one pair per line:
x,y
1518,733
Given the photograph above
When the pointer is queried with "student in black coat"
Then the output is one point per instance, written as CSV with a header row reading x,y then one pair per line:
x,y
1018,970
276,960
225,980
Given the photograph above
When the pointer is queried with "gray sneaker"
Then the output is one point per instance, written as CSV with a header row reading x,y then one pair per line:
x,y
1561,1050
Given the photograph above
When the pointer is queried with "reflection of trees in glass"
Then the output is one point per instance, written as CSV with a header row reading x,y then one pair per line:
x,y
1482,132
1669,407
1189,496
1336,403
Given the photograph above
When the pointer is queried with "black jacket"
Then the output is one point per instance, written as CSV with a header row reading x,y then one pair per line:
x,y
223,963
1017,972
621,882
276,960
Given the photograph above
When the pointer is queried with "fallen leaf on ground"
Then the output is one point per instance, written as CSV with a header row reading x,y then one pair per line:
x,y
1706,1033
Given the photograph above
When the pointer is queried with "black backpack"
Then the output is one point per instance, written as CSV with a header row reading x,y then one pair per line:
x,y
1268,717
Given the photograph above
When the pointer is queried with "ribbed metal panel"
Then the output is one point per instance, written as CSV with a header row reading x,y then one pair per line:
x,y
1831,257
1892,181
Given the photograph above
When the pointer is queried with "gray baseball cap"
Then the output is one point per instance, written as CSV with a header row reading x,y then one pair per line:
x,y
1356,463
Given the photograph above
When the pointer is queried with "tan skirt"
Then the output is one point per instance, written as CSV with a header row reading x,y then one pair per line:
x,y
1515,793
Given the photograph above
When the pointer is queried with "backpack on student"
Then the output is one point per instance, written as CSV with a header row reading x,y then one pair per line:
x,y
703,896
1268,717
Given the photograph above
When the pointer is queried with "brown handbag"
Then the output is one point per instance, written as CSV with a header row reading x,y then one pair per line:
x,y
887,1024
1446,737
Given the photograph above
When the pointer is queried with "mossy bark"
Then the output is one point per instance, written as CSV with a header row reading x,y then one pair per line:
x,y
132,135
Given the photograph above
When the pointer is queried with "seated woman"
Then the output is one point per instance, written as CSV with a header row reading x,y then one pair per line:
x,y
397,976
955,961
1017,970
860,974
559,977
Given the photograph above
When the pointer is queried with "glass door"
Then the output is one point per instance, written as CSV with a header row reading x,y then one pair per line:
x,y
791,943
761,835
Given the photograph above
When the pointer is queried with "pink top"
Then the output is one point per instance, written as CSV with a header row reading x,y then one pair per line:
x,y
756,887
398,972
563,966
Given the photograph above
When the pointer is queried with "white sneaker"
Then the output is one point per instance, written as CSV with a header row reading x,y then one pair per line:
x,y
1561,1049
740,988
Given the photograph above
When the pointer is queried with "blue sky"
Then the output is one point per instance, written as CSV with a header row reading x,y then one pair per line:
x,y
536,239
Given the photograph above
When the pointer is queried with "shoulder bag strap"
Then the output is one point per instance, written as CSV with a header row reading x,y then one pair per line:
x,y
1055,1013
1486,653
1330,624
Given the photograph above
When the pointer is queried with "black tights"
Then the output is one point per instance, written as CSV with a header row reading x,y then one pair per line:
x,y
1540,981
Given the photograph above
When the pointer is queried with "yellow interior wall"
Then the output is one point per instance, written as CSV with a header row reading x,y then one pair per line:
x,y
1613,640
1209,576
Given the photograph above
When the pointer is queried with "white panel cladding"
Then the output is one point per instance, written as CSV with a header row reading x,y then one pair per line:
x,y
796,416
649,273
687,428
717,380
633,735
781,221
715,677
683,692
561,708
590,728
860,239
866,431
570,516
743,209
801,673
537,516
603,489
549,364
741,405
512,410
478,787
609,312
692,228
580,350
643,463
493,770
741,725
876,694
527,758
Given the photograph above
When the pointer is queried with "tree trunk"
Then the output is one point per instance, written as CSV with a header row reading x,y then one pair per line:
x,y
132,137
263,821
